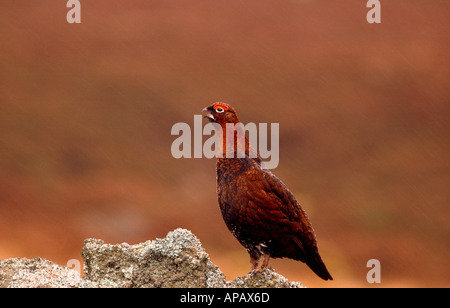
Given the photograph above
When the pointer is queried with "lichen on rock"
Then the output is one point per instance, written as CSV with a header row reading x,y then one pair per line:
x,y
266,278
39,273
178,260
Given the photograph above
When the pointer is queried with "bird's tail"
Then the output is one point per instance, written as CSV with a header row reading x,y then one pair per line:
x,y
316,264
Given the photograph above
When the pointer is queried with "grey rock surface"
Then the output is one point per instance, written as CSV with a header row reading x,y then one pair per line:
x,y
176,261
39,273
266,278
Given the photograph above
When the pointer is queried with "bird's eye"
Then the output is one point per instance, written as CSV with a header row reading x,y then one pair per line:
x,y
220,110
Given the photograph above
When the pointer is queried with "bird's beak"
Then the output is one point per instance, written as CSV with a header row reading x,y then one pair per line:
x,y
208,114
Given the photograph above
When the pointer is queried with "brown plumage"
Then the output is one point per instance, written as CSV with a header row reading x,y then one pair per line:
x,y
258,209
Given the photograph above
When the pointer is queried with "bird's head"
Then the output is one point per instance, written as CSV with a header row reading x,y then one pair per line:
x,y
221,113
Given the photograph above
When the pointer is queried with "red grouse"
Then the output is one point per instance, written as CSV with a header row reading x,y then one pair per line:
x,y
258,209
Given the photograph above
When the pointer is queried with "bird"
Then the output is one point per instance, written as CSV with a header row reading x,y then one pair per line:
x,y
257,207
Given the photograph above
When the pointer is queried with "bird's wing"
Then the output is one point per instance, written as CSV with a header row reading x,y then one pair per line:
x,y
275,198
302,231
288,204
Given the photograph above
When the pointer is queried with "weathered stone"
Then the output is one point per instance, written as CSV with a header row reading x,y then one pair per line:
x,y
176,261
266,278
39,273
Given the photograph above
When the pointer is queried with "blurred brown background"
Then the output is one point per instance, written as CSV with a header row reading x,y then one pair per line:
x,y
86,111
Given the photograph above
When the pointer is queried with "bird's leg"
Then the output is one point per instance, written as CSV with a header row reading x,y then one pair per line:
x,y
258,263
253,264
265,261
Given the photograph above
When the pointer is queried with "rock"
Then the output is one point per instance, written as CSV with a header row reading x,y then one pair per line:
x,y
178,260
39,273
266,278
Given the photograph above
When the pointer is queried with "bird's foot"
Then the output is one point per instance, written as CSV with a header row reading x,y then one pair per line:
x,y
253,272
258,263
